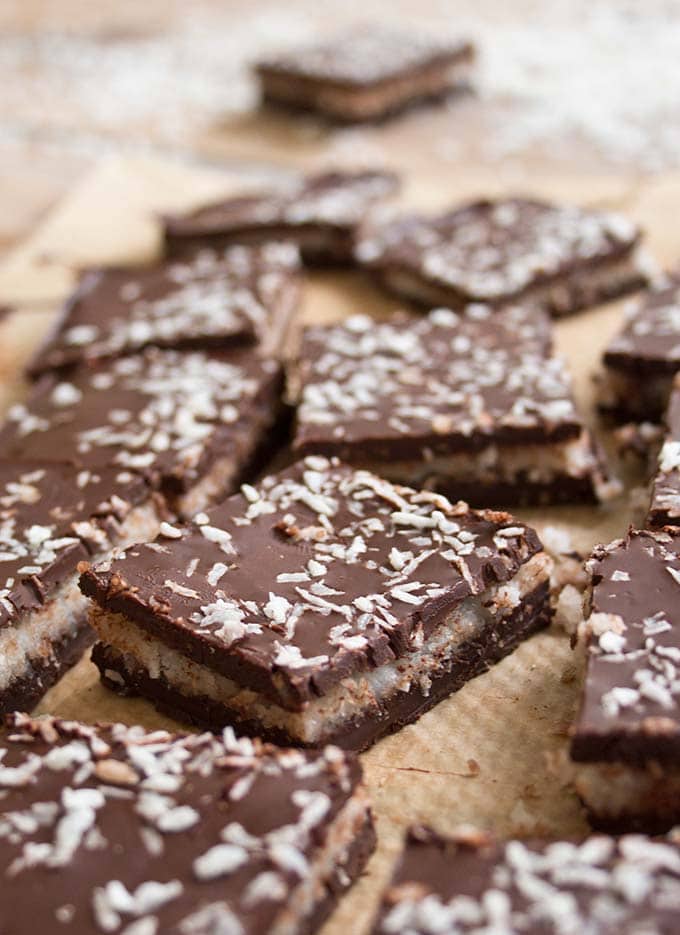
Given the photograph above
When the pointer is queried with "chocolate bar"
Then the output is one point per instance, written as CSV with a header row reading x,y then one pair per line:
x,y
319,214
215,298
664,508
626,741
324,605
112,829
53,516
469,883
472,404
642,359
191,422
559,257
366,74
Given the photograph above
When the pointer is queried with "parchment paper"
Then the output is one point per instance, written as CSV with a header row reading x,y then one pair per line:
x,y
486,755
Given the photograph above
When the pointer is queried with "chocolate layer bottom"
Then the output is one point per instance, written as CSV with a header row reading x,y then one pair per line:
x,y
124,673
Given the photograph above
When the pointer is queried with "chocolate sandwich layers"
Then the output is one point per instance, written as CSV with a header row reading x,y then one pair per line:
x,y
468,883
319,214
215,298
53,516
641,361
325,604
626,741
560,257
111,830
473,404
366,74
190,422
664,507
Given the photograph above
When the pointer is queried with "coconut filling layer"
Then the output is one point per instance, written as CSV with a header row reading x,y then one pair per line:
x,y
366,693
587,286
610,790
363,102
326,864
33,641
502,464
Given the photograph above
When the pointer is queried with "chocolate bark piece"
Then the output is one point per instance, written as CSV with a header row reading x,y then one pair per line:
x,y
52,517
664,507
318,213
112,829
468,882
642,359
324,604
366,74
192,423
626,741
472,404
215,298
561,257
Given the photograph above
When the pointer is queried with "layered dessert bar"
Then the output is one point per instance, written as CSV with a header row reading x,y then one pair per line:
x,y
318,213
324,605
366,74
562,258
469,883
212,299
193,423
52,517
112,829
641,361
664,507
473,404
626,741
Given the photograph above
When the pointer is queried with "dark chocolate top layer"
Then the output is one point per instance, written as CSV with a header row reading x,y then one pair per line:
x,y
210,299
333,199
116,830
53,516
445,382
630,708
493,251
165,413
664,507
366,57
319,572
650,338
469,883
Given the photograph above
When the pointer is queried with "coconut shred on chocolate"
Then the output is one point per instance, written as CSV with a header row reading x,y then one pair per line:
x,y
53,516
562,258
366,74
472,404
113,830
642,359
319,214
626,741
212,299
192,423
324,604
469,883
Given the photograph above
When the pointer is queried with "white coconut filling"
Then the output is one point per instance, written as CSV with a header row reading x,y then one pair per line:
x,y
589,283
31,641
358,102
332,856
354,697
612,790
537,463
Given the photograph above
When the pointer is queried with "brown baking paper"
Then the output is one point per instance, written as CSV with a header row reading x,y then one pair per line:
x,y
489,755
